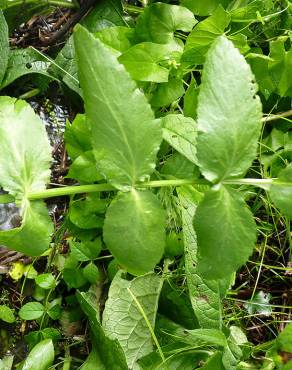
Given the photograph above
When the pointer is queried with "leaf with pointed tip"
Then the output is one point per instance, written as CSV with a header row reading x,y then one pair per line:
x,y
200,39
119,114
181,133
229,114
281,191
158,22
122,319
226,233
205,295
134,230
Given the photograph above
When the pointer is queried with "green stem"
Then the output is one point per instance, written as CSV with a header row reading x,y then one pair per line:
x,y
94,188
59,3
132,9
71,190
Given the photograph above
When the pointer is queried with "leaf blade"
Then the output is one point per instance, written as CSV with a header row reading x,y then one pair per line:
x,y
235,113
142,243
119,115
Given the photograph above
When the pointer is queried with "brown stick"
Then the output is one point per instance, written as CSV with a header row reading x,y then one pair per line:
x,y
69,24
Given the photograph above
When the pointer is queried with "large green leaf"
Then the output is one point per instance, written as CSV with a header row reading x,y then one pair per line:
x,y
181,133
205,295
119,114
200,39
158,22
142,61
280,67
229,114
226,233
4,46
33,236
205,7
122,318
23,62
134,230
109,352
41,357
25,167
281,191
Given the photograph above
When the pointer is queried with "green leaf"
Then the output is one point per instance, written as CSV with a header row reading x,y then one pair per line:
x,y
26,164
6,314
122,318
65,67
181,133
142,62
4,46
200,39
31,311
280,67
23,62
34,235
205,7
93,361
110,352
229,114
179,167
86,251
77,137
41,357
159,21
166,93
205,295
281,191
134,230
191,100
226,233
88,213
214,362
84,168
6,362
121,157
46,281
105,14
25,168
54,309
74,278
119,38
91,273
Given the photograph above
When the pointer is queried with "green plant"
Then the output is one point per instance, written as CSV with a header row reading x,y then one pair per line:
x,y
155,182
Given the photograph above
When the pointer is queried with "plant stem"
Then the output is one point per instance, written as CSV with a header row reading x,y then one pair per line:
x,y
132,9
274,117
71,190
95,188
59,3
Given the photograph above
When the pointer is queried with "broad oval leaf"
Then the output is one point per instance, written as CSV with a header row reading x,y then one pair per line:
x,y
41,357
181,133
31,311
119,115
158,22
229,114
33,236
25,167
122,318
134,230
4,46
281,191
226,233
